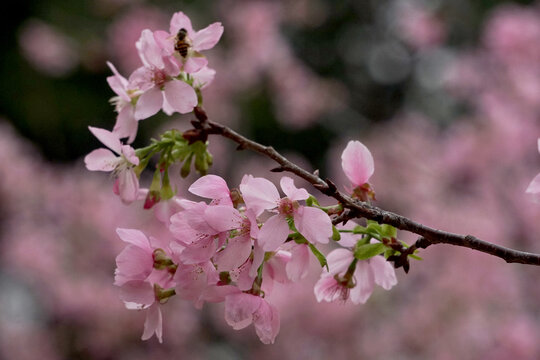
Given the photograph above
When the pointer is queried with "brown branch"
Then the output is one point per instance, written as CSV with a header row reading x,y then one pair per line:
x,y
356,209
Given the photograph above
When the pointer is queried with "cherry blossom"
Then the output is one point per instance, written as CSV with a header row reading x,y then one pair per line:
x,y
193,42
340,283
126,124
260,194
242,309
127,183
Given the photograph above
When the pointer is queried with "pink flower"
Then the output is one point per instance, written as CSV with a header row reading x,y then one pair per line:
x,y
141,283
126,124
185,44
243,309
127,183
136,261
357,163
212,187
158,81
341,284
260,194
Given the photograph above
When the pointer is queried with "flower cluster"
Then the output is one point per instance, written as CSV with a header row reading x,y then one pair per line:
x,y
171,78
235,246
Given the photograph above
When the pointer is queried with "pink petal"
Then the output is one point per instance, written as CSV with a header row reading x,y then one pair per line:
x,y
126,125
365,282
266,321
128,186
194,64
235,254
107,138
383,271
339,261
135,237
348,239
292,192
179,21
180,96
259,194
165,41
314,224
129,154
203,77
297,268
222,217
328,289
149,103
149,50
137,291
357,163
258,258
208,37
133,263
239,309
118,83
201,251
101,160
273,233
210,187
153,323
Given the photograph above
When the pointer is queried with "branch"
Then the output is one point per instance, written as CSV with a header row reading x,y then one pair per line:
x,y
356,209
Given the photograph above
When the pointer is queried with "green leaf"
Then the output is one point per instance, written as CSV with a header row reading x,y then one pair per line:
x,y
319,256
415,257
311,200
368,251
388,231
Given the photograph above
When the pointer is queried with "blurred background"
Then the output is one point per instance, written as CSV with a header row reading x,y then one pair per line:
x,y
445,93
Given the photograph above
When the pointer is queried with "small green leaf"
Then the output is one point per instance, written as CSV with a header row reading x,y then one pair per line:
x,y
415,257
368,251
388,231
311,200
336,236
319,256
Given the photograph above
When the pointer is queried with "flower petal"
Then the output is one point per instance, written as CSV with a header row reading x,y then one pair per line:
x,y
128,186
259,194
383,271
210,187
149,103
339,260
266,321
297,268
239,309
357,163
180,21
180,96
137,291
126,125
365,282
101,160
292,192
273,233
314,224
153,323
107,138
208,37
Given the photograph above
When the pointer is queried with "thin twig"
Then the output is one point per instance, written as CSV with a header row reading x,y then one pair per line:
x,y
356,209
